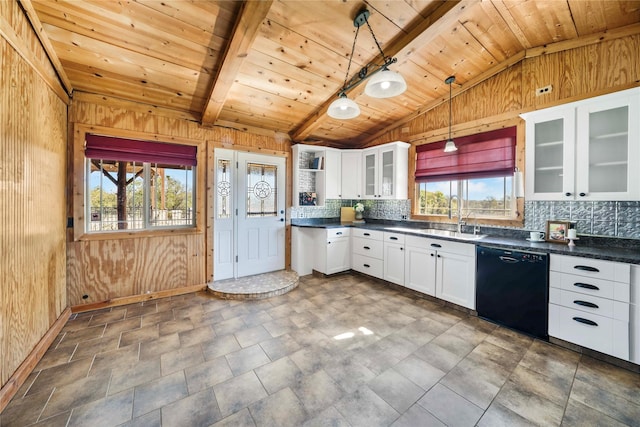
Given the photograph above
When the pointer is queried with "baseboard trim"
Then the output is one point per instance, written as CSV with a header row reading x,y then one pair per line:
x,y
27,366
115,302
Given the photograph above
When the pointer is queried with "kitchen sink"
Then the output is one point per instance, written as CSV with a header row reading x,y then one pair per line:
x,y
437,232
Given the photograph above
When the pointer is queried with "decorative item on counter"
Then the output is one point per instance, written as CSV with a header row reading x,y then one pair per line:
x,y
358,208
572,234
557,231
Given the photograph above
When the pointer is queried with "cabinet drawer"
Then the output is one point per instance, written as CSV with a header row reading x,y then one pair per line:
x,y
599,333
394,237
417,242
590,304
367,234
465,249
594,268
367,265
338,232
367,247
590,286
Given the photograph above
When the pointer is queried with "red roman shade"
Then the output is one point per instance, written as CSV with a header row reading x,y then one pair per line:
x,y
482,155
131,150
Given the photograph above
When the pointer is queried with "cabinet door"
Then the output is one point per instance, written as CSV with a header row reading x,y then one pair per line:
x,y
607,148
351,174
386,168
370,173
420,270
455,279
550,155
338,255
394,263
333,174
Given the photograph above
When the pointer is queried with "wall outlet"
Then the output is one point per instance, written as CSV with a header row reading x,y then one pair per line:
x,y
544,90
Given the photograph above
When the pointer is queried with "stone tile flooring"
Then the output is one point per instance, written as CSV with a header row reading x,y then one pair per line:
x,y
340,351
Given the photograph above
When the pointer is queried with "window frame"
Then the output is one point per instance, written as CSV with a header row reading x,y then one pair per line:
x,y
78,182
459,131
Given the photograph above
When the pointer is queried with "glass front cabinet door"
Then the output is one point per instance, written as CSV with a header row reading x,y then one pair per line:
x,y
585,150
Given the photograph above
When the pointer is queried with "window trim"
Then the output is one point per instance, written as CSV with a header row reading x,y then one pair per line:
x,y
469,128
77,177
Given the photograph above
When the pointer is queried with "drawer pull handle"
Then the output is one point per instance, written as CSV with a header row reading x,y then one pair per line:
x,y
586,304
586,268
435,245
366,265
339,233
586,286
393,238
585,321
367,234
366,247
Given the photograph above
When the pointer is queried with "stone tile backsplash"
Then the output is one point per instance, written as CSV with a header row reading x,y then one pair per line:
x,y
608,219
375,209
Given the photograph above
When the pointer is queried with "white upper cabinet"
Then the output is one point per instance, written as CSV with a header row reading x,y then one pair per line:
x,y
333,174
384,171
351,174
585,150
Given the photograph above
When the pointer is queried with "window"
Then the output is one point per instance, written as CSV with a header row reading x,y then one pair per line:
x,y
137,185
480,198
476,180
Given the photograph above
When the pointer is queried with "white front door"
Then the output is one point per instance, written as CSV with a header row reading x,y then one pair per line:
x,y
249,227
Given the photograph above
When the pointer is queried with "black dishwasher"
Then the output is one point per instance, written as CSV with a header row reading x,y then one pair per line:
x,y
512,289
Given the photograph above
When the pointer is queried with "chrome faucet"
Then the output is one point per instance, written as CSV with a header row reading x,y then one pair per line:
x,y
460,221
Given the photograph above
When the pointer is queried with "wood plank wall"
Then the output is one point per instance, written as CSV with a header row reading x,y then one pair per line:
x,y
575,74
33,135
107,268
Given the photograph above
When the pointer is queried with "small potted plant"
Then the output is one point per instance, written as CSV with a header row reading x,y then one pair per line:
x,y
359,208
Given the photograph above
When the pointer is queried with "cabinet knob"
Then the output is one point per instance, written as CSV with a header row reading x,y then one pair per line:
x,y
583,194
432,255
402,249
438,256
567,194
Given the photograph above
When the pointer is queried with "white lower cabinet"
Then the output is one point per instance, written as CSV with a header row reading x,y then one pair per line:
x,y
589,304
419,268
333,250
394,258
367,252
634,313
441,268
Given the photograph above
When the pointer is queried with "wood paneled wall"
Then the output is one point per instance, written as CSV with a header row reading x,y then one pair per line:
x,y
106,268
575,74
33,135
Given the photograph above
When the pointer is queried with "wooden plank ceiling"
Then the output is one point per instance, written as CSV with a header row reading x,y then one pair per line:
x,y
277,65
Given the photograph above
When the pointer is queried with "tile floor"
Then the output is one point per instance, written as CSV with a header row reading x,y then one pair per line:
x,y
340,351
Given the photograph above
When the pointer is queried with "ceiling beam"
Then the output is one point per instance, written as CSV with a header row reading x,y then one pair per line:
x,y
244,33
424,31
29,10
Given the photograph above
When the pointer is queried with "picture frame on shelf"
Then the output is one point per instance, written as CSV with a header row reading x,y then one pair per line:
x,y
557,231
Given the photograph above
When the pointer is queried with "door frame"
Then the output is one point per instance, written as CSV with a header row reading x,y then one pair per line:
x,y
211,196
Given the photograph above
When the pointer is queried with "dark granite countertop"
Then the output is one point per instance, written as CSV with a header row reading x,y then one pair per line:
x,y
622,250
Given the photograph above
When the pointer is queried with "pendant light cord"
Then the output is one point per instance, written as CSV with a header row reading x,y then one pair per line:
x,y
450,113
353,48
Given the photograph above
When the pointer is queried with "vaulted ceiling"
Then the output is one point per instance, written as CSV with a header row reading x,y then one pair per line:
x,y
277,65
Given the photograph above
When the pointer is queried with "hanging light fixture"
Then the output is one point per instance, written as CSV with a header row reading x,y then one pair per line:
x,y
450,145
384,83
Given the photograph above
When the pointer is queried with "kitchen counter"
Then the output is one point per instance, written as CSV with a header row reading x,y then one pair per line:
x,y
599,250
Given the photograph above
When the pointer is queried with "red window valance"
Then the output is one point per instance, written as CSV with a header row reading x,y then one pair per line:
x,y
481,155
131,150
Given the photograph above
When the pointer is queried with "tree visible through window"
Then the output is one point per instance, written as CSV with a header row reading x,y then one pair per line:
x,y
125,193
479,198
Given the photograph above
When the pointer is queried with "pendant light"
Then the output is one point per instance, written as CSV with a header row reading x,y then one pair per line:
x,y
450,146
383,83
